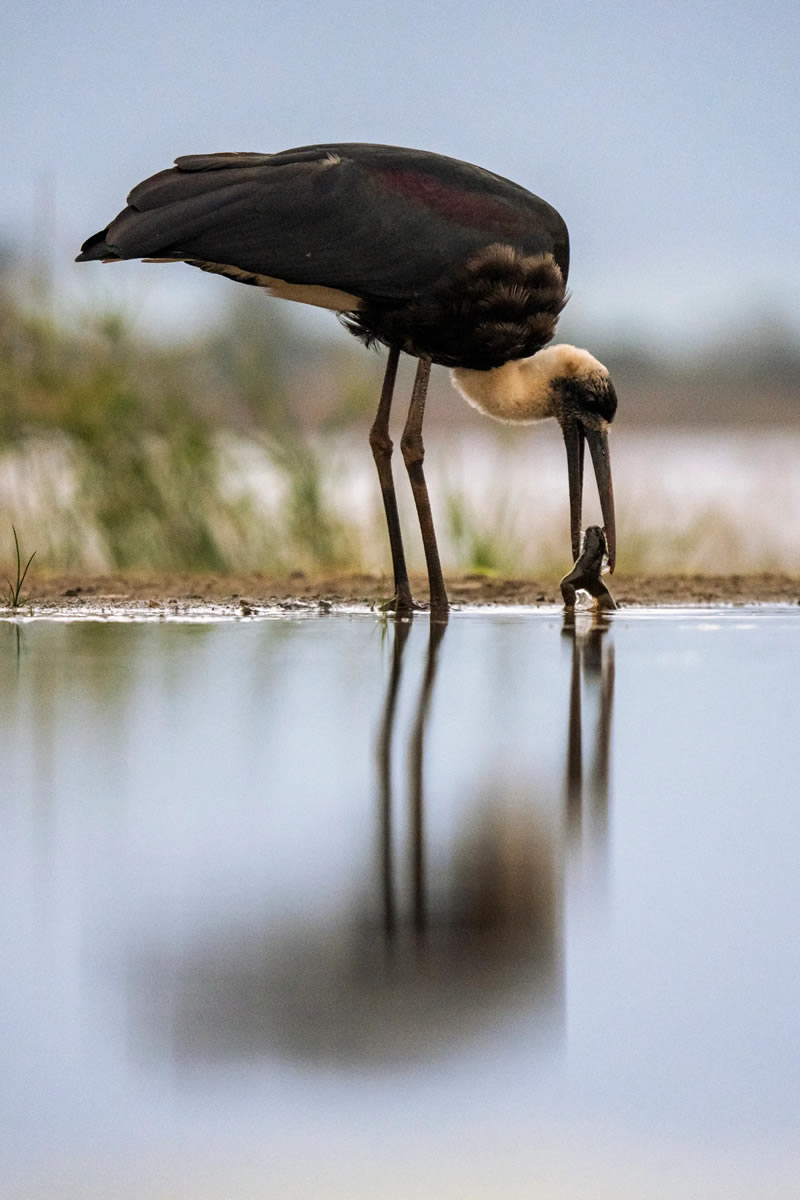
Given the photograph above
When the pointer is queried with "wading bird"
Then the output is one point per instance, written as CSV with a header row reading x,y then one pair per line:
x,y
433,257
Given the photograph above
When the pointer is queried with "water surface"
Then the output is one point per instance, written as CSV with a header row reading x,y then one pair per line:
x,y
327,906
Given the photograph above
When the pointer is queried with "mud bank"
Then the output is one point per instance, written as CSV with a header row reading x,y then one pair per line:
x,y
170,592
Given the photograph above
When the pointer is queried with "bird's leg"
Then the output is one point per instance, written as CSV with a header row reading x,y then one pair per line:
x,y
413,454
381,445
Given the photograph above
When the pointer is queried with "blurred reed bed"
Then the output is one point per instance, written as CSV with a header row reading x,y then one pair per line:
x,y
246,448
114,449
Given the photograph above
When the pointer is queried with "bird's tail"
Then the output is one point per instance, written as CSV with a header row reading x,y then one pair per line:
x,y
96,248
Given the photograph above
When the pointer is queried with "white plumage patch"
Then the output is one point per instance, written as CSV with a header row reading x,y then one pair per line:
x,y
507,393
302,293
520,391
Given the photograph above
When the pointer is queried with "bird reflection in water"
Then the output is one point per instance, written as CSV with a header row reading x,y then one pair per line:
x,y
502,879
592,666
443,950
416,770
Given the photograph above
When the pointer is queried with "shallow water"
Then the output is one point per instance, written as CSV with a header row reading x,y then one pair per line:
x,y
333,908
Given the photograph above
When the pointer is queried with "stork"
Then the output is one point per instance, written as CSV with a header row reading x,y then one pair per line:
x,y
434,257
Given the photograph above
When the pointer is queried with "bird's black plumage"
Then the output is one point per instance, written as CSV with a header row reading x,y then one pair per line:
x,y
446,259
435,257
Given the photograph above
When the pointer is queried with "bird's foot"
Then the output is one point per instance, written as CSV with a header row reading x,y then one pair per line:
x,y
401,604
439,611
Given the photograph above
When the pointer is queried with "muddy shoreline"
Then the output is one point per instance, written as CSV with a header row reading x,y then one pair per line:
x,y
118,592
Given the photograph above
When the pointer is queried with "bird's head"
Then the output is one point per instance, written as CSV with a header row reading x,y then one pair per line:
x,y
571,385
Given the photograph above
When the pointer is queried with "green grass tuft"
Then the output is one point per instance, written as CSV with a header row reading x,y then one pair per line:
x,y
14,593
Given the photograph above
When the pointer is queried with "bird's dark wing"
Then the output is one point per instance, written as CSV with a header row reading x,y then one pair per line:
x,y
376,221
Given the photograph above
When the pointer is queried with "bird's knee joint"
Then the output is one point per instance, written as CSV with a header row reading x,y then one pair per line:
x,y
413,449
382,445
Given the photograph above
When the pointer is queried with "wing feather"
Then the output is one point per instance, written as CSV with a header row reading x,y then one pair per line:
x,y
375,221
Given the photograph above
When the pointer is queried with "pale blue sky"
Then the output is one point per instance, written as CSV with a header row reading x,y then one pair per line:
x,y
665,133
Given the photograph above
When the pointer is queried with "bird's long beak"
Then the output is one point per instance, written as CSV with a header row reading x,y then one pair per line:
x,y
575,435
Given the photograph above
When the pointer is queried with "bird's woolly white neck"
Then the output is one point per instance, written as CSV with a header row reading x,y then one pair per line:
x,y
520,390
